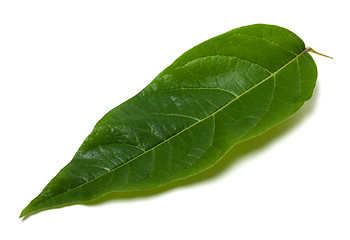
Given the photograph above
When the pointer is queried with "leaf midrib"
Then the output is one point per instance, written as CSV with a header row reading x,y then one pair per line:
x,y
185,129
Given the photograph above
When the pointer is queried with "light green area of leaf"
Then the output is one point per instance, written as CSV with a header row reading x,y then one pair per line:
x,y
223,91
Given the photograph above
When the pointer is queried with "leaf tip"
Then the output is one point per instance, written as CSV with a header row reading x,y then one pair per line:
x,y
28,210
24,212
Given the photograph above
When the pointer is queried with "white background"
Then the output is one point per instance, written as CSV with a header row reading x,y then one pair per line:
x,y
64,64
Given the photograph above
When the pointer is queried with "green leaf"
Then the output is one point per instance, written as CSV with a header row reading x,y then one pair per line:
x,y
223,91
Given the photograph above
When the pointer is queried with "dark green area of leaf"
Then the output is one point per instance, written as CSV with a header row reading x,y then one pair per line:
x,y
223,91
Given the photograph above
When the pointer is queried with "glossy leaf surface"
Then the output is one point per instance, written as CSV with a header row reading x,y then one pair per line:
x,y
223,91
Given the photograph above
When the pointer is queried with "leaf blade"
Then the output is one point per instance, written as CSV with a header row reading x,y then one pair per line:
x,y
157,136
